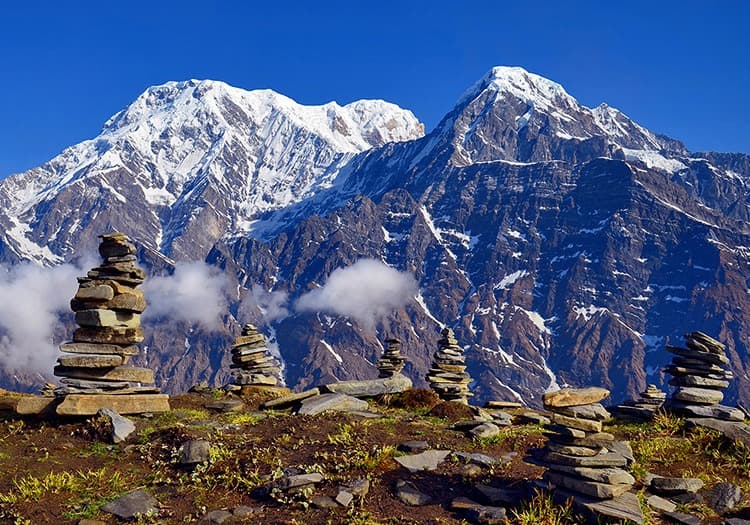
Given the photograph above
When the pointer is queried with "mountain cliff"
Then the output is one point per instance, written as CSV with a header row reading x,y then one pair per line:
x,y
564,245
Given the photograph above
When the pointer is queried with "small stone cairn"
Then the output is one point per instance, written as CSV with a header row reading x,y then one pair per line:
x,y
108,311
253,363
392,362
700,374
583,461
448,377
645,408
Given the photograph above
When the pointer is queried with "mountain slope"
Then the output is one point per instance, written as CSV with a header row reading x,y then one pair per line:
x,y
564,245
186,163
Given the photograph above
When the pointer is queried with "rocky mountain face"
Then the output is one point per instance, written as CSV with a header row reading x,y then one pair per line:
x,y
563,244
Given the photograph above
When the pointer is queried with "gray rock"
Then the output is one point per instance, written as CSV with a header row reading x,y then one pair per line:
x,y
216,516
736,521
122,427
486,515
660,504
615,476
535,418
482,460
358,488
675,485
582,486
413,446
499,495
624,507
131,505
195,451
714,411
374,387
609,459
410,495
485,430
684,519
299,480
427,460
336,402
288,400
723,497
243,512
324,502
344,498
594,411
703,396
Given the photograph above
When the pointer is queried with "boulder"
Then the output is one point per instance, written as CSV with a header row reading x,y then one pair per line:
x,y
427,460
336,402
373,387
89,404
131,505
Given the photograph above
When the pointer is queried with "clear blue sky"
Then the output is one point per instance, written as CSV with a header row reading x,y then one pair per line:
x,y
678,67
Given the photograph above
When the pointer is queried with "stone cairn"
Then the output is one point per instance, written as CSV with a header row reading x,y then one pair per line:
x,y
447,376
699,372
253,363
392,362
644,408
582,460
108,311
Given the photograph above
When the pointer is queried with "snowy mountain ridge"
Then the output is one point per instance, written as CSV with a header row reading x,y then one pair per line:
x,y
259,149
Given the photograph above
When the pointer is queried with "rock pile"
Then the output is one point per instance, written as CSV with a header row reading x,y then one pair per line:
x,y
391,362
447,376
583,461
108,309
253,363
700,374
645,408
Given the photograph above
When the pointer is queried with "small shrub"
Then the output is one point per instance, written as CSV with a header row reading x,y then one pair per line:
x,y
412,399
452,411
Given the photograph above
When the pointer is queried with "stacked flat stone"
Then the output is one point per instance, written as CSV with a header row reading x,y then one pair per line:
x,y
644,408
700,374
253,363
108,311
391,362
582,459
447,376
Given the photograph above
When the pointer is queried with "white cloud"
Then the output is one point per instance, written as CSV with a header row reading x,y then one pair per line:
x,y
367,291
195,293
272,305
31,298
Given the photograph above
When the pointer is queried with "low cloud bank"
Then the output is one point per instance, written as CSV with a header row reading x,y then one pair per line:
x,y
195,293
367,291
273,306
31,298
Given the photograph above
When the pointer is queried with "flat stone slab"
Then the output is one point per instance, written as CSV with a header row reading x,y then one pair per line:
x,y
675,485
483,460
587,487
107,318
26,405
121,373
568,397
374,387
713,411
610,459
90,360
336,402
410,495
225,405
613,475
131,505
502,404
594,411
623,507
90,404
427,460
702,396
95,348
661,504
587,425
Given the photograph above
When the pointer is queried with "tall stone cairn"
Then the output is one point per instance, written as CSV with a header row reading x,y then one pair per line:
x,y
253,363
700,374
391,362
582,460
448,376
108,311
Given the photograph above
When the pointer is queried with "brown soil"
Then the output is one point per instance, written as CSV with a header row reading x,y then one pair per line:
x,y
250,449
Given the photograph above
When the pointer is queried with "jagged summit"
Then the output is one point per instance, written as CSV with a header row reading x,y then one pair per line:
x,y
518,81
195,159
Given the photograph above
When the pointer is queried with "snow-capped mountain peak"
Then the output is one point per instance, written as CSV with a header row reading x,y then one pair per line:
x,y
183,150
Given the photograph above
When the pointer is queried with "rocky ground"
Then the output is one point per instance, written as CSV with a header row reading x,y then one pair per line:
x,y
197,464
